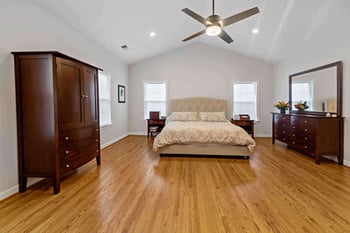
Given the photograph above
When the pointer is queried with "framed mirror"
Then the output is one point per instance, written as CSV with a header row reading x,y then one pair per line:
x,y
320,88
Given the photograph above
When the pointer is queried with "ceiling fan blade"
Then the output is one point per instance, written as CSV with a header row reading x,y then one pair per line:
x,y
223,35
195,16
237,17
194,36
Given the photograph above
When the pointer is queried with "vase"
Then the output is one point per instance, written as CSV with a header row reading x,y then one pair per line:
x,y
283,111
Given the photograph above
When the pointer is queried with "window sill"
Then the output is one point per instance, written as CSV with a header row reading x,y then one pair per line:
x,y
106,125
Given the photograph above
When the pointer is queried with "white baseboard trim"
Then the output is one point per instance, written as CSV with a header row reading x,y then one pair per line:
x,y
138,133
13,190
346,163
262,135
114,141
8,192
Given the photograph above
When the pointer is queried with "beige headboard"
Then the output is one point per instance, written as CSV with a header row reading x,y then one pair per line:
x,y
198,104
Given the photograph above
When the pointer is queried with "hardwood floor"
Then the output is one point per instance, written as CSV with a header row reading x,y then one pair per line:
x,y
134,190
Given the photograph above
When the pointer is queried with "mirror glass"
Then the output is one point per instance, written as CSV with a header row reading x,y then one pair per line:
x,y
320,88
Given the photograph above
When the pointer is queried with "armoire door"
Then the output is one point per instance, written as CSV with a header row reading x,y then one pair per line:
x,y
91,97
70,93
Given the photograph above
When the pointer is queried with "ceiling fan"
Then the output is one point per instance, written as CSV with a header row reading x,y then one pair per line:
x,y
214,24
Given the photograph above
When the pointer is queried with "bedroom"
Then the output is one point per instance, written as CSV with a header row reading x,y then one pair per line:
x,y
32,25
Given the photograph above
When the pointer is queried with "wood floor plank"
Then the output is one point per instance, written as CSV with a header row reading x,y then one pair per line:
x,y
135,190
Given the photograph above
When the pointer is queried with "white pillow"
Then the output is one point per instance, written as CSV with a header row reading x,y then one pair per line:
x,y
212,116
184,116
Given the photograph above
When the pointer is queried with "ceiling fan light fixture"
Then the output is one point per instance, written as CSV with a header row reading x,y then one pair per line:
x,y
213,30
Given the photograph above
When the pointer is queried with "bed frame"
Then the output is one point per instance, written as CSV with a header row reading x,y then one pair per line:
x,y
202,104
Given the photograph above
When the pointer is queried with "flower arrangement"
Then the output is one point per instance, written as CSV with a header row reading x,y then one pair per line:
x,y
300,105
282,105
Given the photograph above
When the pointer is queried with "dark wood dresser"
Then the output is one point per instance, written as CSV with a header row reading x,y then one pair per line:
x,y
155,126
57,115
310,134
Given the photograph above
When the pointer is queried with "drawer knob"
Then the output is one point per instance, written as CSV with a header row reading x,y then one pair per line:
x,y
284,139
305,138
305,147
96,140
293,142
293,135
66,138
284,124
305,130
284,132
83,96
96,150
305,122
67,152
293,127
97,130
67,165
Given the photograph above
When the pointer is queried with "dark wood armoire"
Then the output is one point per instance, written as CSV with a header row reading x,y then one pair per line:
x,y
57,115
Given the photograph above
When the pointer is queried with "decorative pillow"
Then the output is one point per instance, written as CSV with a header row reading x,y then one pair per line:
x,y
184,116
212,116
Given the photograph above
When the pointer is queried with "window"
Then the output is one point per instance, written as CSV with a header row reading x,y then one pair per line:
x,y
245,99
104,85
303,91
154,98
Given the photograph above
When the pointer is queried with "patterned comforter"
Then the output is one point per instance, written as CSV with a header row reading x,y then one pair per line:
x,y
189,132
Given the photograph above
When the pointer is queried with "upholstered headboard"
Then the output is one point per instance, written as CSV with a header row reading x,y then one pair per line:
x,y
198,104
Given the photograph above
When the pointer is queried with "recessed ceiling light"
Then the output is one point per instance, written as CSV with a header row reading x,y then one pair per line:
x,y
152,34
255,31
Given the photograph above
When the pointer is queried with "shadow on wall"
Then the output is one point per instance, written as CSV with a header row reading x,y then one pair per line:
x,y
8,130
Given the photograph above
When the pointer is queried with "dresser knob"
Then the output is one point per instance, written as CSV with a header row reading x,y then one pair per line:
x,y
67,152
305,122
284,132
67,165
97,130
305,130
66,138
293,135
293,142
96,140
305,147
83,96
305,138
284,124
293,127
96,150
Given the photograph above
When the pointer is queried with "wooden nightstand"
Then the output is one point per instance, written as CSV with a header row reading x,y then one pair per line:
x,y
154,126
248,125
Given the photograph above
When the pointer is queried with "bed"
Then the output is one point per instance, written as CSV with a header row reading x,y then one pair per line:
x,y
199,126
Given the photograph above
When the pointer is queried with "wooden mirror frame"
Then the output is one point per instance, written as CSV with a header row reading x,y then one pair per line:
x,y
339,68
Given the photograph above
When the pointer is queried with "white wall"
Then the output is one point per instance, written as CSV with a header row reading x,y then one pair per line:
x,y
281,85
24,26
200,70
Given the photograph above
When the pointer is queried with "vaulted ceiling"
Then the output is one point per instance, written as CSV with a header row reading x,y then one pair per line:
x,y
288,28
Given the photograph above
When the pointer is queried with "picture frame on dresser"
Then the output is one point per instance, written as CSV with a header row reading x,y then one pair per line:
x,y
121,94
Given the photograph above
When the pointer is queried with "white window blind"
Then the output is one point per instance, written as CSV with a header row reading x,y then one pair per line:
x,y
154,98
104,85
303,91
245,99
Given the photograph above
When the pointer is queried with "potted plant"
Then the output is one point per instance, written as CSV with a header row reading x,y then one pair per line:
x,y
301,106
282,106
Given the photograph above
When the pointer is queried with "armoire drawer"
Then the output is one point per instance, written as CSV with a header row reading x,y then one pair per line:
x,y
74,160
67,136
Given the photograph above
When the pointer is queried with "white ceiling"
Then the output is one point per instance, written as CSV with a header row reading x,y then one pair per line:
x,y
288,28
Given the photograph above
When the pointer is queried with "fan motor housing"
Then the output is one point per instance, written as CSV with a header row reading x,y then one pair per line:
x,y
214,19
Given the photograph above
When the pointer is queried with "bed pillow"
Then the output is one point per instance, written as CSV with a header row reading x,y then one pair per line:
x,y
184,116
212,116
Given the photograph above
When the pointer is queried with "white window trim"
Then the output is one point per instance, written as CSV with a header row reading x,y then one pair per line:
x,y
257,96
110,99
166,95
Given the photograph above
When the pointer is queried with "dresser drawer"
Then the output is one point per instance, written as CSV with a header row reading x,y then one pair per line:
x,y
68,136
72,161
